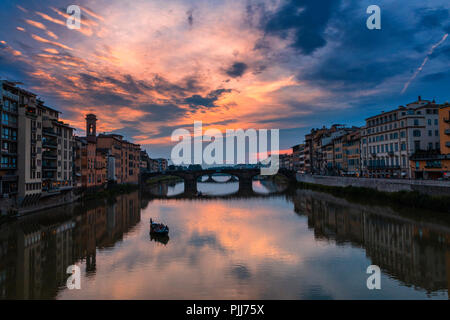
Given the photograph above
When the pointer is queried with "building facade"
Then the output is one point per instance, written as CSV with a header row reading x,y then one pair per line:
x,y
106,158
144,161
435,164
444,123
352,153
9,105
57,151
298,155
318,151
158,165
286,161
389,139
36,147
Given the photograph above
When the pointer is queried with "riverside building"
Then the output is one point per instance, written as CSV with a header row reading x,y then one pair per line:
x,y
389,139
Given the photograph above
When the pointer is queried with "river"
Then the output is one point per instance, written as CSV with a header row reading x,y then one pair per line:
x,y
273,244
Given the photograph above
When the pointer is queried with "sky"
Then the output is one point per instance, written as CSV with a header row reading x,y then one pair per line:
x,y
148,67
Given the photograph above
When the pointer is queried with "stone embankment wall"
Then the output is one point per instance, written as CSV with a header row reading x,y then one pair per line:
x,y
430,187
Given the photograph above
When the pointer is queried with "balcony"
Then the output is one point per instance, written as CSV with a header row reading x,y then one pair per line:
x,y
384,167
447,120
49,155
49,132
11,95
31,112
9,178
48,175
8,166
11,124
49,167
10,152
10,138
49,144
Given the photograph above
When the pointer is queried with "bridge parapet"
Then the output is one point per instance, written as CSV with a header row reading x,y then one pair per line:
x,y
190,178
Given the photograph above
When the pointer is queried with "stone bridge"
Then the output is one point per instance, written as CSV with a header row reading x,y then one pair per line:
x,y
191,177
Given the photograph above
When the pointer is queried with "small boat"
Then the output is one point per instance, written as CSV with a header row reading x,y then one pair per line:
x,y
158,228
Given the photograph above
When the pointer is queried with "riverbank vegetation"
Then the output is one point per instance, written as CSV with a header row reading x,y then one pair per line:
x,y
159,179
279,178
403,201
109,193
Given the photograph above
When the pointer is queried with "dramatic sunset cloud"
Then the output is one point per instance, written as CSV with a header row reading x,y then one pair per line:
x,y
147,68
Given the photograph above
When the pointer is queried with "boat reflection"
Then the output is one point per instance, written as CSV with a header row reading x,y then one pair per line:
x,y
109,241
164,239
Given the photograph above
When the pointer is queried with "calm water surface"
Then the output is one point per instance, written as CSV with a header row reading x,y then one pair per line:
x,y
296,245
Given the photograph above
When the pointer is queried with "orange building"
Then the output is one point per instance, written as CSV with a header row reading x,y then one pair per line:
x,y
435,165
126,155
90,164
444,128
93,154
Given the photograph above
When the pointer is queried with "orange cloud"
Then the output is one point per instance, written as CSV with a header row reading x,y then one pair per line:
x,y
57,44
36,24
48,18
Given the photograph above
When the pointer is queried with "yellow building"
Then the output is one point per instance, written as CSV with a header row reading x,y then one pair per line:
x,y
444,128
435,165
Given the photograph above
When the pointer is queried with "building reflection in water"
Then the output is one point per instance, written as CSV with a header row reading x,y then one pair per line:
x,y
35,251
417,254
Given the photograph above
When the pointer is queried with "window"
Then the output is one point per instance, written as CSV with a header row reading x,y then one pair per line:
x,y
416,133
416,122
5,118
434,164
417,145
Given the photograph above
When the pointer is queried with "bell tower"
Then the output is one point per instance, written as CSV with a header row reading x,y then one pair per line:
x,y
91,127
